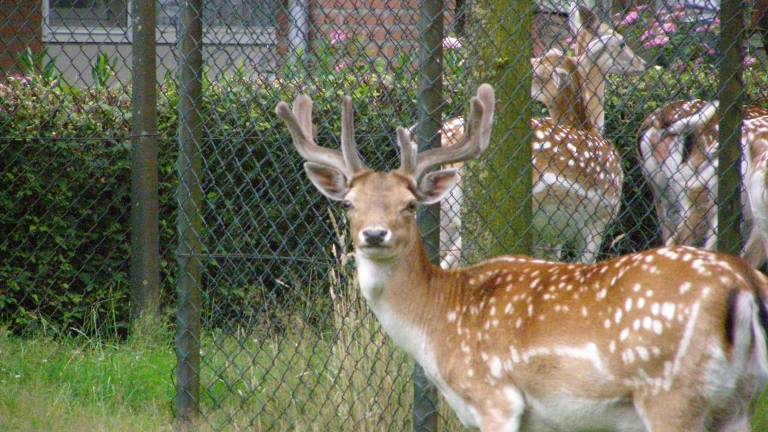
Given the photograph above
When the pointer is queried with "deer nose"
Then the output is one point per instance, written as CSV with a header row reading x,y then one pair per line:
x,y
375,236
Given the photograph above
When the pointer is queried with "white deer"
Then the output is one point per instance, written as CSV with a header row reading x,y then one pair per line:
x,y
670,340
678,148
577,173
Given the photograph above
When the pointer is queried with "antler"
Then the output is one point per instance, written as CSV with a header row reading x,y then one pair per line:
x,y
475,140
299,122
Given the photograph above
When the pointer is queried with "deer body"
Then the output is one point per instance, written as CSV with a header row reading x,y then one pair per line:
x,y
577,173
574,346
678,145
671,339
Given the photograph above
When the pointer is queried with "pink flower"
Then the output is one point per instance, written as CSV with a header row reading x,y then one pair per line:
x,y
656,42
24,80
748,62
669,27
340,67
642,8
616,18
650,33
630,19
679,67
708,50
678,11
338,36
451,43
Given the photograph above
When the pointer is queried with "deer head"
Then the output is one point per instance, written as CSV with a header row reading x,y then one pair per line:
x,y
603,44
381,206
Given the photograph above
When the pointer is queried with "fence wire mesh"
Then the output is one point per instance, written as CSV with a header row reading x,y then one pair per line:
x,y
606,142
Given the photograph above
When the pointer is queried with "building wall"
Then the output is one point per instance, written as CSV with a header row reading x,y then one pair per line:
x,y
20,27
384,27
381,27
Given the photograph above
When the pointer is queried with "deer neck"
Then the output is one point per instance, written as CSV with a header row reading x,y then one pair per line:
x,y
569,107
593,94
402,294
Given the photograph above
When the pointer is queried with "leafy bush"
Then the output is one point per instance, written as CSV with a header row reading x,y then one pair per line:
x,y
64,207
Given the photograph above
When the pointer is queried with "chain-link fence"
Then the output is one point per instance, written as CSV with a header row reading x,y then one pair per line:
x,y
606,142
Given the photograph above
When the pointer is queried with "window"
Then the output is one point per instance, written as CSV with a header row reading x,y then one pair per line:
x,y
224,21
88,13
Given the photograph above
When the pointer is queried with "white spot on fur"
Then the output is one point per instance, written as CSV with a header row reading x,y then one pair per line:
x,y
495,367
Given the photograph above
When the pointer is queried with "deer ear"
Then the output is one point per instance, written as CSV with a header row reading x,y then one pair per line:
x,y
560,78
588,18
436,184
330,181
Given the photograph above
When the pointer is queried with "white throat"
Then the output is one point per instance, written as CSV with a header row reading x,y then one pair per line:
x,y
374,278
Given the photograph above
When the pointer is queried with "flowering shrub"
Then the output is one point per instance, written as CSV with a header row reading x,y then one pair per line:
x,y
679,37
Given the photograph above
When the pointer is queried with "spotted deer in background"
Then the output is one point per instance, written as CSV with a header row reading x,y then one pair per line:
x,y
670,340
577,173
678,149
588,30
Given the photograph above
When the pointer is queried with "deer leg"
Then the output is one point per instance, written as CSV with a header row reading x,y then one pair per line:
x,y
592,244
450,228
686,222
504,412
711,236
501,426
673,411
738,424
664,220
754,250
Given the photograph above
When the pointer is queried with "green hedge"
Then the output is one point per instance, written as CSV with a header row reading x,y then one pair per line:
x,y
64,204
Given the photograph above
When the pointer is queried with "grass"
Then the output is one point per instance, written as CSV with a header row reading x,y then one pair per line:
x,y
84,385
348,377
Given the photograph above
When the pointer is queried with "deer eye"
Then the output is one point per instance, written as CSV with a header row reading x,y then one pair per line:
x,y
411,207
347,205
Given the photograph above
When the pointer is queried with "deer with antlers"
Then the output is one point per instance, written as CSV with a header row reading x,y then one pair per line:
x,y
678,149
671,340
577,173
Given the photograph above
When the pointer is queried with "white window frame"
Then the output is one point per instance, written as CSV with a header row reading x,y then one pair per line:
x,y
83,34
166,35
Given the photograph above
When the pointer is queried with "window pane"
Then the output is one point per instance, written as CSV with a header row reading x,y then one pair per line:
x,y
239,13
89,13
231,13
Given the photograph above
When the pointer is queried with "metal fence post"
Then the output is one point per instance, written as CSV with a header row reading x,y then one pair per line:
x,y
730,93
189,222
145,255
428,133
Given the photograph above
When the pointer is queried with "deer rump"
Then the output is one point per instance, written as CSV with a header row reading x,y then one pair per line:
x,y
678,148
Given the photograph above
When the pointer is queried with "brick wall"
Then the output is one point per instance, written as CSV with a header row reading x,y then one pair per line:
x,y
385,27
20,27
